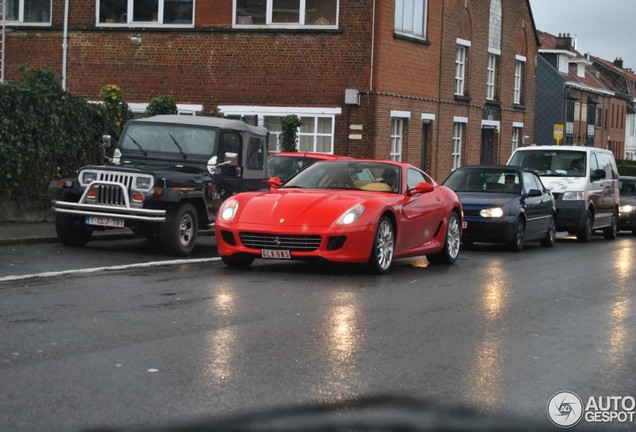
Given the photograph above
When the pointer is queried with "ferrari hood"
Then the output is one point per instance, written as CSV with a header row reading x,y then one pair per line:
x,y
296,207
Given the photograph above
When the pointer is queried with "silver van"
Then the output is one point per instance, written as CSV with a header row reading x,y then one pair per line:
x,y
584,182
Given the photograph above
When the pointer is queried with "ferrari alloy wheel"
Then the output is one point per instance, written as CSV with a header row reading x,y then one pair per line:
x,y
452,243
383,247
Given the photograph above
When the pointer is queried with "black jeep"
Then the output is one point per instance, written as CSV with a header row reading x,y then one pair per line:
x,y
166,180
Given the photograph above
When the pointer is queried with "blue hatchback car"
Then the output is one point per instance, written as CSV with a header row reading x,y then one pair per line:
x,y
504,204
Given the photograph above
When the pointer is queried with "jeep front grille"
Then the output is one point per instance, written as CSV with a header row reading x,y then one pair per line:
x,y
280,241
113,195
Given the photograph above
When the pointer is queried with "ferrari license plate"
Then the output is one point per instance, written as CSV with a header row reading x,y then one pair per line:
x,y
275,254
105,221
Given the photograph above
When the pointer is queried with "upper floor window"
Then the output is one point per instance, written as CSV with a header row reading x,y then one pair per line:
x,y
494,27
460,66
286,13
490,77
410,17
146,12
518,85
28,11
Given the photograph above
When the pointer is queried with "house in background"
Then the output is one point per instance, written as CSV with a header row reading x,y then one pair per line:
x,y
623,81
570,92
437,83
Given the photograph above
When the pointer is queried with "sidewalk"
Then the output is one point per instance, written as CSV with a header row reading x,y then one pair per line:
x,y
31,233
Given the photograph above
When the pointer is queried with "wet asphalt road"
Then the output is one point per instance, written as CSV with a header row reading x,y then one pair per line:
x,y
499,331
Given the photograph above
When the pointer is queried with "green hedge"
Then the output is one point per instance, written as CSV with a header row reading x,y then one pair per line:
x,y
626,167
45,134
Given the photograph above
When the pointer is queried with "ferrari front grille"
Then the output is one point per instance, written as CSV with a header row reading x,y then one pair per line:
x,y
304,243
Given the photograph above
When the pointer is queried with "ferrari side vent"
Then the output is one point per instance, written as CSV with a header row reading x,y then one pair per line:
x,y
280,241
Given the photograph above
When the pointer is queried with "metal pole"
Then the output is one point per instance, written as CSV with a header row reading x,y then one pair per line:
x,y
65,44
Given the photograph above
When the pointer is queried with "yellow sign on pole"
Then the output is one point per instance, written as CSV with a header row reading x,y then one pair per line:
x,y
558,132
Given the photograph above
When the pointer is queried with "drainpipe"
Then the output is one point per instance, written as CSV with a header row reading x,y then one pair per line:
x,y
372,48
65,44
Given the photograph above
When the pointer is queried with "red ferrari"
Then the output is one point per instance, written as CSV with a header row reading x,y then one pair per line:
x,y
356,210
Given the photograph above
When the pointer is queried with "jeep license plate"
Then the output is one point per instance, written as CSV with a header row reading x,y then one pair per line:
x,y
105,221
275,254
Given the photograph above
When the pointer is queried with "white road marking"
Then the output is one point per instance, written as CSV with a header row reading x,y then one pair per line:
x,y
110,268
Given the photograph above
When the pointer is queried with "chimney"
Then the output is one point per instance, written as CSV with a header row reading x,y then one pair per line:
x,y
564,41
618,62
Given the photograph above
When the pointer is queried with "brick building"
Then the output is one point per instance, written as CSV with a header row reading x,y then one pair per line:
x,y
572,92
437,83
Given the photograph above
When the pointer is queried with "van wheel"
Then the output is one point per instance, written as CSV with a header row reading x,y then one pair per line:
x,y
611,231
517,241
585,235
550,237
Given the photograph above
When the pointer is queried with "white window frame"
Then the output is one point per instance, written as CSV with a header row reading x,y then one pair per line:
x,y
302,112
411,21
460,69
21,12
397,137
458,138
518,81
490,77
269,18
517,133
130,12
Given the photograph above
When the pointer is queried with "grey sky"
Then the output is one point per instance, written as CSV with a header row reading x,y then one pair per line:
x,y
602,28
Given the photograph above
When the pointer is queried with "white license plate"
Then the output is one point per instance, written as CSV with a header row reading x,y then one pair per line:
x,y
105,221
464,224
275,254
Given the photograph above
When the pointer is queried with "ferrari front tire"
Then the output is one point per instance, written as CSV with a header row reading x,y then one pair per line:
x,y
452,242
383,247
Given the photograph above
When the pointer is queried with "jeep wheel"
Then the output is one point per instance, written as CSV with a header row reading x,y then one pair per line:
x,y
179,232
71,230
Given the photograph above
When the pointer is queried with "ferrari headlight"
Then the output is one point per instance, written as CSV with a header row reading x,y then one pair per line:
x,y
495,212
229,209
573,196
626,208
88,177
351,215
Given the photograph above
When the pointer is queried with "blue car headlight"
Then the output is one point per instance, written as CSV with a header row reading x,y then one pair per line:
x,y
495,212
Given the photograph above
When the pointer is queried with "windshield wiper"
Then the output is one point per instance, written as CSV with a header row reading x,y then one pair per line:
x,y
137,144
174,140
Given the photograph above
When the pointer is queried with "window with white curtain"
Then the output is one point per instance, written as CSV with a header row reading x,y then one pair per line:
x,y
460,70
518,84
410,17
490,76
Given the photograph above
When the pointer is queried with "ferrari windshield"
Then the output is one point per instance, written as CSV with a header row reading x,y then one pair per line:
x,y
551,162
169,138
370,176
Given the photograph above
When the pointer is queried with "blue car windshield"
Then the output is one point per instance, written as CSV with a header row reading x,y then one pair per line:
x,y
484,180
